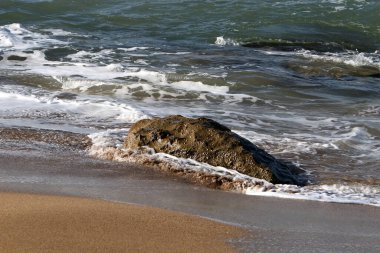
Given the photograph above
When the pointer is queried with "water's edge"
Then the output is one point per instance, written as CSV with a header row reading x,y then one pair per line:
x,y
107,145
41,168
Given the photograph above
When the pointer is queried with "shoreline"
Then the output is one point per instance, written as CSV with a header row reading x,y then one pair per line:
x,y
188,170
40,223
277,224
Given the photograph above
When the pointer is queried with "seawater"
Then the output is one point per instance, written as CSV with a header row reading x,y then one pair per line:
x,y
300,79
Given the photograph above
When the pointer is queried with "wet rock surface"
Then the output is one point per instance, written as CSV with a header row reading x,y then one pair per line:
x,y
207,141
66,95
73,140
16,58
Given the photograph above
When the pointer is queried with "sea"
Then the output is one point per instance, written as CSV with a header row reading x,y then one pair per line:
x,y
298,78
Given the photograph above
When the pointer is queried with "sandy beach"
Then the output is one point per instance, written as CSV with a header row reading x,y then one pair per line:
x,y
190,126
37,223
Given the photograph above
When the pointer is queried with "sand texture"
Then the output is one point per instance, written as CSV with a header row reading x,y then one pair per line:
x,y
36,223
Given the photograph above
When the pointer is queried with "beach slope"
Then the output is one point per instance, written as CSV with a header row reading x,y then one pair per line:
x,y
37,223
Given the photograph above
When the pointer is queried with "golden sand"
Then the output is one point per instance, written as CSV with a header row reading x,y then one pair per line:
x,y
34,223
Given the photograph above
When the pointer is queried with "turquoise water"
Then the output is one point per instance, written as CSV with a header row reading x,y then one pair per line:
x,y
299,78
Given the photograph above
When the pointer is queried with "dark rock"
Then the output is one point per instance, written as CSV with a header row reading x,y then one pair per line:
x,y
290,46
66,95
16,58
72,140
206,140
1,58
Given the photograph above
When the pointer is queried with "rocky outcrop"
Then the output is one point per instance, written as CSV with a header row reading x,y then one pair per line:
x,y
206,140
68,139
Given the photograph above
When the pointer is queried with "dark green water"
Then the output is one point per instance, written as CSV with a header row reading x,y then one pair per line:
x,y
299,78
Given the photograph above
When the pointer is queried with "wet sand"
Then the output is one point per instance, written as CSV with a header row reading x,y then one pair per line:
x,y
35,223
277,225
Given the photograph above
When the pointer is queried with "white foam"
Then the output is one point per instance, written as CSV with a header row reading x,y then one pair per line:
x,y
80,84
358,133
5,41
371,110
337,193
88,110
170,53
149,81
59,32
352,58
199,86
358,138
15,37
221,41
291,143
109,138
130,49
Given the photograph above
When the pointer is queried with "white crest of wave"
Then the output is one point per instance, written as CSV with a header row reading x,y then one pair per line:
x,y
352,58
10,35
16,37
221,41
350,194
199,86
81,110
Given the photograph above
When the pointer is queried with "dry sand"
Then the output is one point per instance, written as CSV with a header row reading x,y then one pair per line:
x,y
36,223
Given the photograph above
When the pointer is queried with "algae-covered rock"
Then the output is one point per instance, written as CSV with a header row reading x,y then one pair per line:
x,y
206,140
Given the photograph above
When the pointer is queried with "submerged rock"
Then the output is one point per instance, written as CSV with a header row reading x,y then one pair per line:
x,y
66,95
16,58
207,141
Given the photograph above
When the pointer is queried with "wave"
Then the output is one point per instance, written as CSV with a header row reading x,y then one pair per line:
x,y
56,110
221,41
109,145
337,65
326,62
288,45
14,37
352,58
108,70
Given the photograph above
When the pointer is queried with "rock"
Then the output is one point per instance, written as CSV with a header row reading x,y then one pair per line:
x,y
66,95
16,58
73,140
206,140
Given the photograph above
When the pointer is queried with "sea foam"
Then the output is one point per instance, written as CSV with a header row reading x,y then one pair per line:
x,y
84,70
15,37
87,110
352,58
221,41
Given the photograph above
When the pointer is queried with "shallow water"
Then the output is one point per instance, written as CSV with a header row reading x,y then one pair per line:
x,y
298,78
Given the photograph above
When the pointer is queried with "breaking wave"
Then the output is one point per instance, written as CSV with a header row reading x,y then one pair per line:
x,y
109,145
